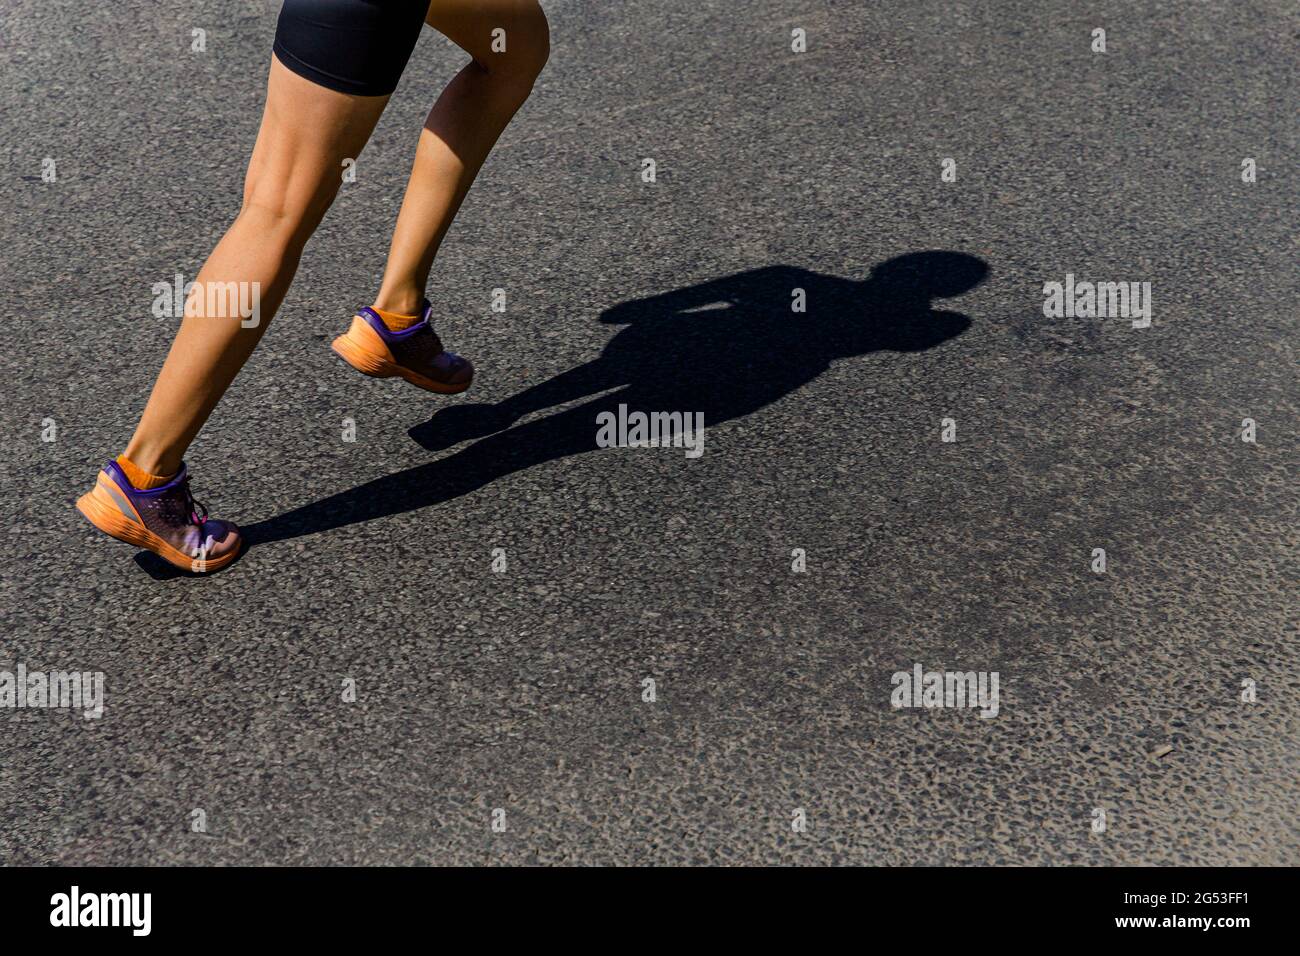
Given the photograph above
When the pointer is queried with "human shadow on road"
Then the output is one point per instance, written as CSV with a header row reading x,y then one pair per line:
x,y
726,348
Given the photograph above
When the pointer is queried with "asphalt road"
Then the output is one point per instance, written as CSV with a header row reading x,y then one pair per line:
x,y
522,690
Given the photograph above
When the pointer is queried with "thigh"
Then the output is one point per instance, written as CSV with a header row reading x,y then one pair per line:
x,y
470,25
307,133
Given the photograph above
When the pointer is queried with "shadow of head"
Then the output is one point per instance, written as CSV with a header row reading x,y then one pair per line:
x,y
929,275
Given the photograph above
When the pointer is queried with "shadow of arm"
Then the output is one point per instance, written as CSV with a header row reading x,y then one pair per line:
x,y
770,280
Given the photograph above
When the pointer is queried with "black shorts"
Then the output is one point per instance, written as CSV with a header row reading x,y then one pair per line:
x,y
353,46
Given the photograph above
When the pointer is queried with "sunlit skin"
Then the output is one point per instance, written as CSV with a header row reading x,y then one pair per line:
x,y
307,132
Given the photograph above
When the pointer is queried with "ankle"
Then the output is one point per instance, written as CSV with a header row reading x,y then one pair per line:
x,y
400,301
151,457
145,476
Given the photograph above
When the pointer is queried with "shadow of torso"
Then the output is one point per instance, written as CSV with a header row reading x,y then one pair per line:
x,y
730,347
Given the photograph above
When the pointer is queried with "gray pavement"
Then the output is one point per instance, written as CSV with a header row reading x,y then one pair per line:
x,y
523,690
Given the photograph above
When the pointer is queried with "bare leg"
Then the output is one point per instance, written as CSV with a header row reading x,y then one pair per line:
x,y
461,129
307,131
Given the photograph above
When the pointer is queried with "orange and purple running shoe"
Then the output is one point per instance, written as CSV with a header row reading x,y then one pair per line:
x,y
416,354
166,520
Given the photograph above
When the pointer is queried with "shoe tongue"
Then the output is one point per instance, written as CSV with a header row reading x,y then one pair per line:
x,y
426,312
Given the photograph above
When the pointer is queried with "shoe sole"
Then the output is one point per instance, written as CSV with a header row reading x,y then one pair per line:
x,y
103,513
367,359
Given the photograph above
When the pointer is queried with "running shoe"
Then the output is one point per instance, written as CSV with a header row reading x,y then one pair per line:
x,y
416,354
167,520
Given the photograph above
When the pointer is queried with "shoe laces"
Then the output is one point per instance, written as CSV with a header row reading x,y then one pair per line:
x,y
198,512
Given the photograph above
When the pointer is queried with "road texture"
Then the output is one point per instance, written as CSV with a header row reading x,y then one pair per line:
x,y
518,696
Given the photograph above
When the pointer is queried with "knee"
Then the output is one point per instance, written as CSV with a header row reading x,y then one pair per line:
x,y
519,49
284,214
